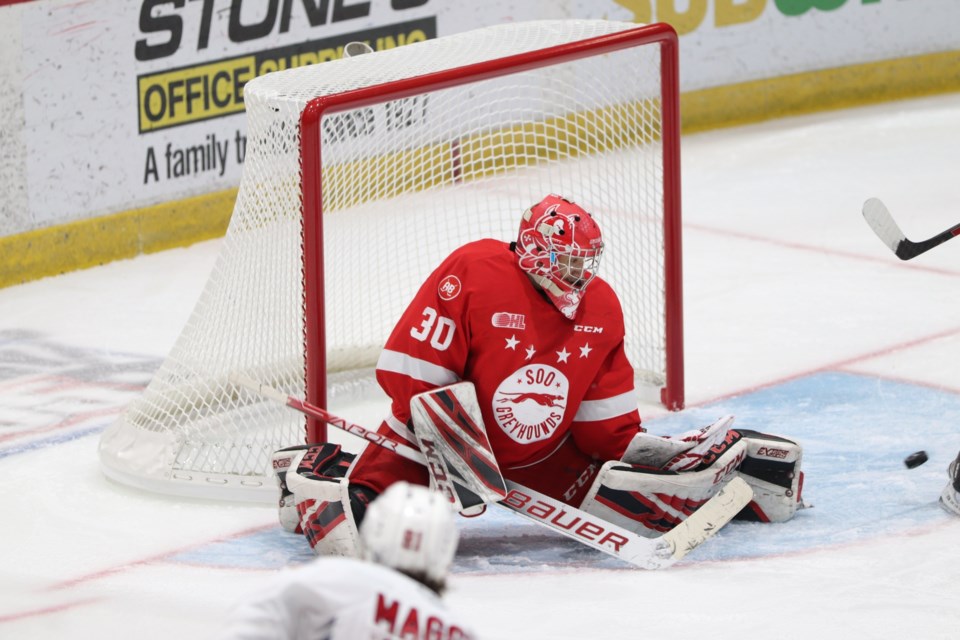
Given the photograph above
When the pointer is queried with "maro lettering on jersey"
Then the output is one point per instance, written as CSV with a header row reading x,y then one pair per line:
x,y
530,403
408,622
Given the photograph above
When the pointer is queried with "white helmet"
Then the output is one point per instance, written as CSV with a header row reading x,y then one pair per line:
x,y
410,528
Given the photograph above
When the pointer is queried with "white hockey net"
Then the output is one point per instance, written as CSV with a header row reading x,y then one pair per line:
x,y
403,180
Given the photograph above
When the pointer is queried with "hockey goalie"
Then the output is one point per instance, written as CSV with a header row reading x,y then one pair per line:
x,y
540,338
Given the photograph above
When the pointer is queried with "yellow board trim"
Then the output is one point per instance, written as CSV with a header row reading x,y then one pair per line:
x,y
527,144
816,91
88,243
96,241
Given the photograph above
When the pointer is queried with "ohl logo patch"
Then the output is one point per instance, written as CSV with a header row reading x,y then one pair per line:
x,y
530,403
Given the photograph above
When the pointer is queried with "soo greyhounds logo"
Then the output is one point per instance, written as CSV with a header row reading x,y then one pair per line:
x,y
529,404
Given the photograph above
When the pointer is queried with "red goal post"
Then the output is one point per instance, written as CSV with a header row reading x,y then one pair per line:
x,y
311,158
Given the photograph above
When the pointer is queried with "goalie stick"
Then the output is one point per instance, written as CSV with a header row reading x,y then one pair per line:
x,y
878,217
641,552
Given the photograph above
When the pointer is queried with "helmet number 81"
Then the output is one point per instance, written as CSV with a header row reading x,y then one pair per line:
x,y
440,329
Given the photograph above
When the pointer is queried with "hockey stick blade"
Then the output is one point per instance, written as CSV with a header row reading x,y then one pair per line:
x,y
645,553
878,217
710,518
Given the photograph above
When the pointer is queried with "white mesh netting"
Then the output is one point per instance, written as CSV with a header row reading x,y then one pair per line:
x,y
403,183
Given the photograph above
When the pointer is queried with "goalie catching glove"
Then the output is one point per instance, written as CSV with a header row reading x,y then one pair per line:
x,y
659,482
315,497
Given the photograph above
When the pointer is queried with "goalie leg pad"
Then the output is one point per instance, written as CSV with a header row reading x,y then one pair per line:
x,y
330,518
648,450
650,502
772,469
950,498
690,451
283,461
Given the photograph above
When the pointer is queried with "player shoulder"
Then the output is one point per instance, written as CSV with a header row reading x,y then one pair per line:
x,y
335,567
487,247
601,289
601,307
355,575
479,258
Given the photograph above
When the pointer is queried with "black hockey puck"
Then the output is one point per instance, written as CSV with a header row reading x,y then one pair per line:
x,y
915,459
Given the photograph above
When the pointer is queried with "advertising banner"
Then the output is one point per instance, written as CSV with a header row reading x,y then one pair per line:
x,y
119,105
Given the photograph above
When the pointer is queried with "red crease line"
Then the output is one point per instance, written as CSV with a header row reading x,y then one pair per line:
x,y
13,617
838,365
154,558
889,261
72,420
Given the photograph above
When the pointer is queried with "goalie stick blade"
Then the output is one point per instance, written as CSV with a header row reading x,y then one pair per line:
x,y
878,217
588,529
710,518
644,553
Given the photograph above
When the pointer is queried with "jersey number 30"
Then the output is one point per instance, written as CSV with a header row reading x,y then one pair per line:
x,y
439,329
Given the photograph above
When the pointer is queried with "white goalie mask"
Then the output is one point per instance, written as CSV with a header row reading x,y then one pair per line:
x,y
410,528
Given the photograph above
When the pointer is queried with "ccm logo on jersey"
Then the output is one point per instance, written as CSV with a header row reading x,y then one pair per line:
x,y
583,328
449,288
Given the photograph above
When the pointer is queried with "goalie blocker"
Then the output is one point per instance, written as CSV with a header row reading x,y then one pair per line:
x,y
655,496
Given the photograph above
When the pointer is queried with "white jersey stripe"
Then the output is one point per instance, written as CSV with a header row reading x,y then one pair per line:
x,y
594,410
418,369
400,429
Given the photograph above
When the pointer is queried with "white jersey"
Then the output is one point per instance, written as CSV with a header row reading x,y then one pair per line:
x,y
343,599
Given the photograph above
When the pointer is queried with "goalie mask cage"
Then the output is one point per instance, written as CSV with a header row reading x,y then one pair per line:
x,y
360,176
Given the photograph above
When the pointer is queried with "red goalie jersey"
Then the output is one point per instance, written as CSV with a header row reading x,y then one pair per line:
x,y
556,394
